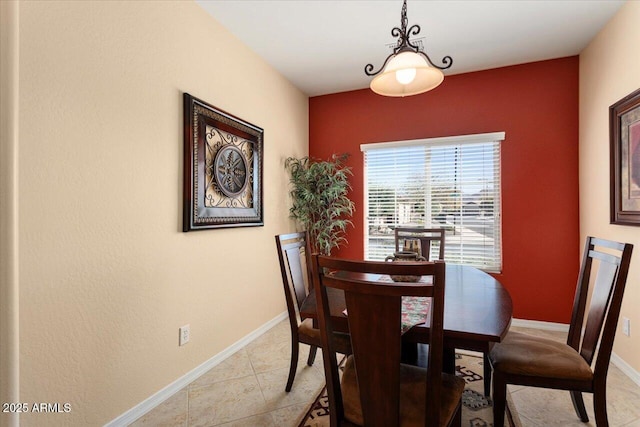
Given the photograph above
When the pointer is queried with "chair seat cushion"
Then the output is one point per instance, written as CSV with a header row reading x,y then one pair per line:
x,y
412,395
310,335
306,328
528,355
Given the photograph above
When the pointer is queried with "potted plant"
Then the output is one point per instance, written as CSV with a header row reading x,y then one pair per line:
x,y
319,199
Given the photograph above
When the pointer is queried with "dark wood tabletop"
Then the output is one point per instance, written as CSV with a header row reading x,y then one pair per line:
x,y
477,311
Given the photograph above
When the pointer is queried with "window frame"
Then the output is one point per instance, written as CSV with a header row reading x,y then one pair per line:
x,y
493,137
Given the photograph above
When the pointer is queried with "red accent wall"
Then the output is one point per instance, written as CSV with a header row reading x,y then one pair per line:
x,y
536,104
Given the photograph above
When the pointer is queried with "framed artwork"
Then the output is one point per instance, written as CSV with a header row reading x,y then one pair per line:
x,y
222,169
624,128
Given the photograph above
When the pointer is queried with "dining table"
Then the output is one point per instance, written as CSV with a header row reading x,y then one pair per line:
x,y
477,312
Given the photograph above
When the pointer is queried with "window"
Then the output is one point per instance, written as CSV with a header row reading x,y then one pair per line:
x,y
451,182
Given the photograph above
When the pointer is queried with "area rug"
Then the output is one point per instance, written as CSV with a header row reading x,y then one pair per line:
x,y
476,408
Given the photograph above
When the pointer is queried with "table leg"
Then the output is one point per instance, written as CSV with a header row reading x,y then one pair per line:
x,y
449,360
409,353
417,355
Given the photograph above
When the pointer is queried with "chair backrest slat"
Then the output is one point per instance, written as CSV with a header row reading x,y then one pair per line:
x,y
429,237
600,297
613,314
374,317
596,241
606,273
611,259
382,367
297,269
293,256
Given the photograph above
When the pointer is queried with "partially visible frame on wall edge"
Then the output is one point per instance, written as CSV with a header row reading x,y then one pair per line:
x,y
222,169
624,131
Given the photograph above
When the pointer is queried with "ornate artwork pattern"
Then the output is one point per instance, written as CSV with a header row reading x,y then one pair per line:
x,y
228,169
223,169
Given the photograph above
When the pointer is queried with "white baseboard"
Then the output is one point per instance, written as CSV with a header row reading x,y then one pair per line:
x,y
151,402
627,369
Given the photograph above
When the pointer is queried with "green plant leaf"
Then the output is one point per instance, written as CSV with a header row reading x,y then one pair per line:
x,y
320,202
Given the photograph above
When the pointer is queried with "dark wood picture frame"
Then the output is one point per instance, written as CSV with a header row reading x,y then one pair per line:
x,y
624,129
222,169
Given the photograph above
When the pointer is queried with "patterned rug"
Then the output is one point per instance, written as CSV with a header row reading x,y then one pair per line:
x,y
476,408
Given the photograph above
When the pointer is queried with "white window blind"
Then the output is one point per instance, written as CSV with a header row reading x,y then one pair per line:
x,y
451,183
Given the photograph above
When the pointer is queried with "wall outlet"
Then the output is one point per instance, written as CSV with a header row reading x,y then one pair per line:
x,y
185,335
626,326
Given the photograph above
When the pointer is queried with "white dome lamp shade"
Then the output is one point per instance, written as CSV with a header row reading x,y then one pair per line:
x,y
407,71
406,74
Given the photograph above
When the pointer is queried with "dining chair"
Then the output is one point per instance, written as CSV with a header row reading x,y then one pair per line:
x,y
431,240
376,389
293,255
539,362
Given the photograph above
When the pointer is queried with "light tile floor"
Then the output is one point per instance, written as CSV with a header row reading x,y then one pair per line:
x,y
247,390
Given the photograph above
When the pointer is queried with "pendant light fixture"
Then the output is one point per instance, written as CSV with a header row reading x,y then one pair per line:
x,y
408,70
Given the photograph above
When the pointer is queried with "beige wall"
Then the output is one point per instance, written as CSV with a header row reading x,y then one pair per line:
x,y
609,70
9,88
106,274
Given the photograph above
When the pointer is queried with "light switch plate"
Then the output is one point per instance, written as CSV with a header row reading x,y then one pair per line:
x,y
626,326
185,335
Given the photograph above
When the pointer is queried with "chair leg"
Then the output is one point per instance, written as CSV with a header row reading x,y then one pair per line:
x,y
457,418
449,360
499,400
312,355
600,407
294,364
578,405
487,374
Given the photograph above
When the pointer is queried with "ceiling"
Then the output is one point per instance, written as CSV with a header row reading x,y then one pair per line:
x,y
322,46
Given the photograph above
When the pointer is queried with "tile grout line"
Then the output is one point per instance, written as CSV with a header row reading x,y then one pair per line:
x,y
255,375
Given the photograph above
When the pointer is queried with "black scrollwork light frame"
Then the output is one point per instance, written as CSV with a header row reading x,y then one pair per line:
x,y
222,169
405,45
